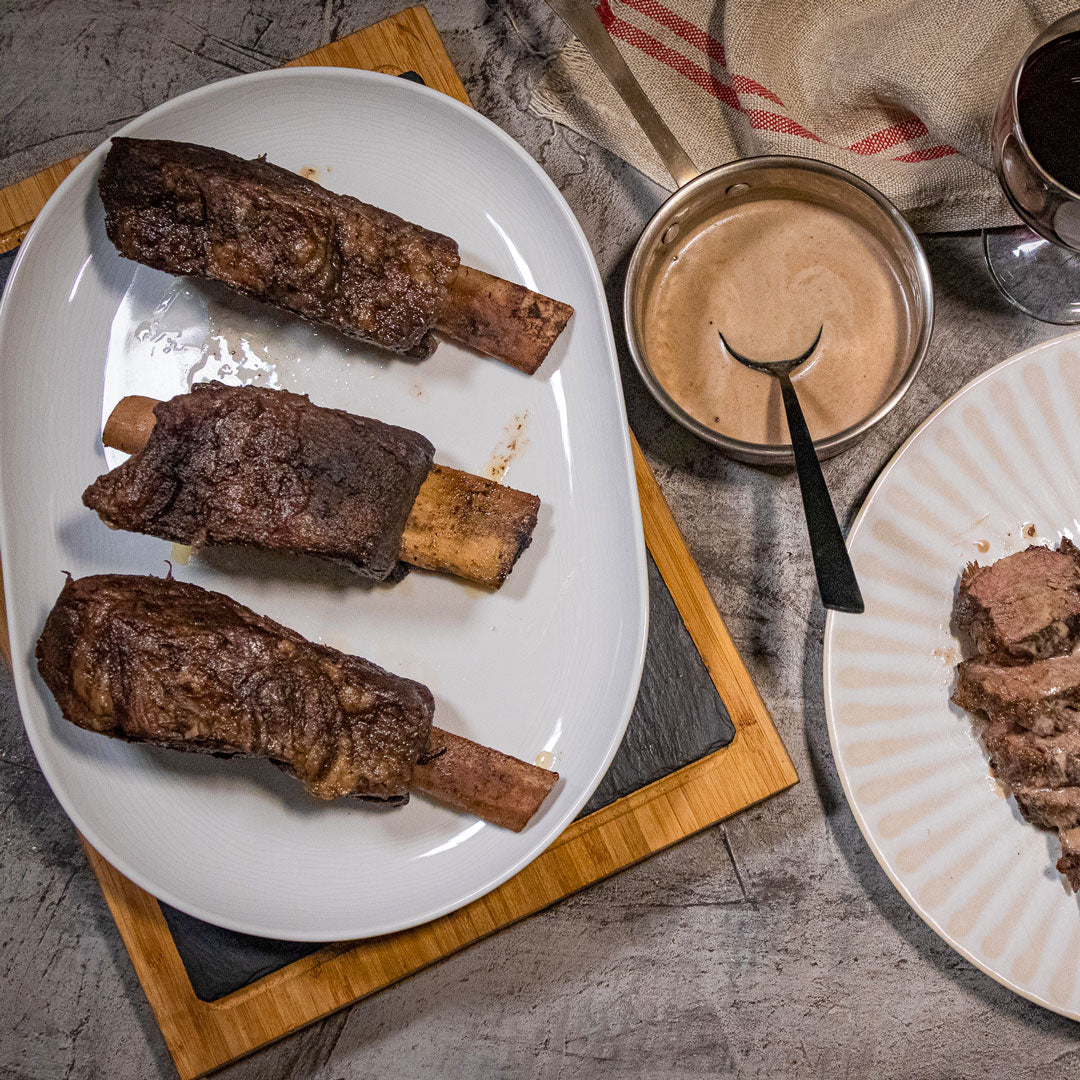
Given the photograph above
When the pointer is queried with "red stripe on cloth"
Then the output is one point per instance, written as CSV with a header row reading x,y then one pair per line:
x,y
770,121
702,41
929,154
629,33
759,118
690,33
747,85
910,128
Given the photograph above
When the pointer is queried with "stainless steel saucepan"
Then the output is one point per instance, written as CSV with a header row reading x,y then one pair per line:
x,y
702,196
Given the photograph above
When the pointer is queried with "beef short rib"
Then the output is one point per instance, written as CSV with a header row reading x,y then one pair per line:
x,y
160,661
271,234
1023,607
246,465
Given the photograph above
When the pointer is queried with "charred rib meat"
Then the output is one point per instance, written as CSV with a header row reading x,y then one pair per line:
x,y
271,234
245,465
160,661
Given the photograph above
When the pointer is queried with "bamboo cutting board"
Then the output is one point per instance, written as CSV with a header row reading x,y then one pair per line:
x,y
202,1036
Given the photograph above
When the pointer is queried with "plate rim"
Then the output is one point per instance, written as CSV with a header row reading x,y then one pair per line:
x,y
826,661
24,673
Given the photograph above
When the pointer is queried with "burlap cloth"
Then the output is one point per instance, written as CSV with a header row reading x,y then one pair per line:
x,y
901,92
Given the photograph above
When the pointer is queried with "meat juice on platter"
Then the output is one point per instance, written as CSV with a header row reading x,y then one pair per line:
x,y
1048,108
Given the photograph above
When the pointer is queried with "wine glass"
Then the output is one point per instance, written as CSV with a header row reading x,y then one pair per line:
x,y
1036,149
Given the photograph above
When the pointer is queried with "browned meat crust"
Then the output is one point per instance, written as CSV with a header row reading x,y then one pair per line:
x,y
1043,696
1052,808
1023,607
160,661
1023,615
245,465
1069,863
267,232
1021,758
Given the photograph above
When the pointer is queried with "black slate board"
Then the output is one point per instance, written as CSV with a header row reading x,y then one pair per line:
x,y
678,719
678,716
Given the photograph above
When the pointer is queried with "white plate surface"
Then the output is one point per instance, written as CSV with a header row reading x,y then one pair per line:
x,y
551,662
996,468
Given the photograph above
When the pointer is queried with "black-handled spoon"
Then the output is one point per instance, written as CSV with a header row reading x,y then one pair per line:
x,y
835,576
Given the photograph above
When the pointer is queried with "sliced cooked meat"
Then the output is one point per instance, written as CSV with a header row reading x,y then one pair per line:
x,y
1052,808
267,232
1023,615
1069,863
1023,607
160,661
1043,696
246,465
1022,758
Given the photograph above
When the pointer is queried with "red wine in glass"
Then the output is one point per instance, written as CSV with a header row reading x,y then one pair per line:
x,y
1036,147
1048,108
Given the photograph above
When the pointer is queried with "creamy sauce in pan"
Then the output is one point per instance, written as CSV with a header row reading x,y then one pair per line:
x,y
768,274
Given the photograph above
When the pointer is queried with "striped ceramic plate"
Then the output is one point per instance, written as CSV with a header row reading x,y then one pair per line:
x,y
996,468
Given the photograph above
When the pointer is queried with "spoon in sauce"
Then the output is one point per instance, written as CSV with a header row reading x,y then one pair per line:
x,y
835,576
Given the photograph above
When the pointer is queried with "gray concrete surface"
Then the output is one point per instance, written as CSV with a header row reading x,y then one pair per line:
x,y
771,946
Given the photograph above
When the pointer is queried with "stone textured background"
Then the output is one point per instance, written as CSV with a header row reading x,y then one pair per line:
x,y
771,946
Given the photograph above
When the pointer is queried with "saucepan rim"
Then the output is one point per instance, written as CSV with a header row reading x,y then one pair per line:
x,y
922,306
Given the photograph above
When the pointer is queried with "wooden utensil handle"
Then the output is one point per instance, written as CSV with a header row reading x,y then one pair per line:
x,y
581,17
